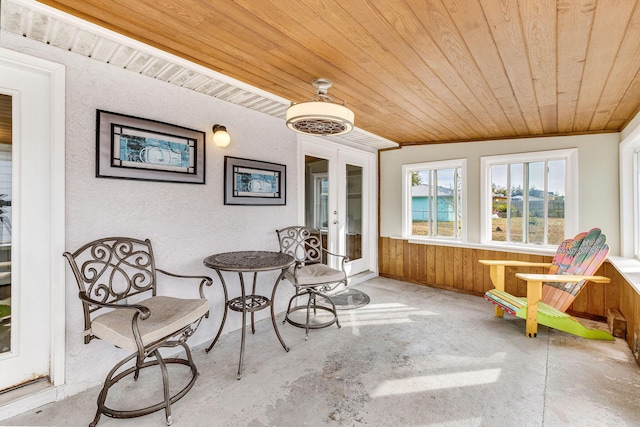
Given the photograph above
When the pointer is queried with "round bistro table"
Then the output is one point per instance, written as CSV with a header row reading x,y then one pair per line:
x,y
249,262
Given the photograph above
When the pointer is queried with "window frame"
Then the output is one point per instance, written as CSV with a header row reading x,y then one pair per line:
x,y
636,203
407,219
629,197
570,156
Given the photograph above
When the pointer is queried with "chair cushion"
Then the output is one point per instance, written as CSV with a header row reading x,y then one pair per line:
x,y
314,274
168,315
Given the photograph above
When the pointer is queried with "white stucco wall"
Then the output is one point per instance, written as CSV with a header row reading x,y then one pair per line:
x,y
185,222
599,204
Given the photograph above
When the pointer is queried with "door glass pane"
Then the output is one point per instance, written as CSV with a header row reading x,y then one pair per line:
x,y
317,195
5,223
535,208
317,191
353,228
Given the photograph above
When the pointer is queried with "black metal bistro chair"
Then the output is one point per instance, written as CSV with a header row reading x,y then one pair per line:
x,y
310,276
118,289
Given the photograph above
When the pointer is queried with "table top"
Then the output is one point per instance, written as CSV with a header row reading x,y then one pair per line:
x,y
249,261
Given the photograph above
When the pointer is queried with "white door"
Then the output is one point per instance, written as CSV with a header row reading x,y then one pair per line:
x,y
339,196
31,224
354,194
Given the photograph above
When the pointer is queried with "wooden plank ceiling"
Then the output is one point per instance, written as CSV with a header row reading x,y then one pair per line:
x,y
413,71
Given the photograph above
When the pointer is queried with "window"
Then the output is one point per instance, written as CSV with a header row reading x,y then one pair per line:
x,y
630,206
636,210
528,197
629,172
433,199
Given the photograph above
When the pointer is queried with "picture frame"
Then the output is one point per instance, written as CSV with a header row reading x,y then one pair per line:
x,y
129,147
254,182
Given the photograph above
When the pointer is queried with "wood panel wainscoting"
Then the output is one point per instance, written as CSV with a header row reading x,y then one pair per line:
x,y
457,269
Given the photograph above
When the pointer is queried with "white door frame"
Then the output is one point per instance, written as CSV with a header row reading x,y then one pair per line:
x,y
56,75
322,148
369,195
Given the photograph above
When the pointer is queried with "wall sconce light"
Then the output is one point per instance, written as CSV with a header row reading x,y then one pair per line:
x,y
220,136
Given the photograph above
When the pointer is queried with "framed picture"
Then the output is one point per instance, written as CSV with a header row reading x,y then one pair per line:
x,y
252,182
133,148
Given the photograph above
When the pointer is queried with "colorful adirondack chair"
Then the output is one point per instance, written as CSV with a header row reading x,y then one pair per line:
x,y
572,266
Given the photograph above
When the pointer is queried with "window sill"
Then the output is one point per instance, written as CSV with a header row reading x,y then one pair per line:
x,y
629,268
531,250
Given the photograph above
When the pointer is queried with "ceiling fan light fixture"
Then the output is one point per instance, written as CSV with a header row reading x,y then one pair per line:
x,y
321,115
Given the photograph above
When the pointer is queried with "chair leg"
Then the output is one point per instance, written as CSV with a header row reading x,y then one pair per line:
x,y
314,303
165,385
108,382
187,350
139,364
289,307
306,329
334,310
113,377
96,419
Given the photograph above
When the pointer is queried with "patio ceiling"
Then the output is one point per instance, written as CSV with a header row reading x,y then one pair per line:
x,y
413,71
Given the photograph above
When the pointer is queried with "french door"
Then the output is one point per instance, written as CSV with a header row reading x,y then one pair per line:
x,y
339,200
31,220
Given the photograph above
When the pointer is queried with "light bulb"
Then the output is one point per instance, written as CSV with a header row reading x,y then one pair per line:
x,y
220,136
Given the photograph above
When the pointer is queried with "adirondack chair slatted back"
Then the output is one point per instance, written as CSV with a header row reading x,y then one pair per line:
x,y
561,261
582,255
565,254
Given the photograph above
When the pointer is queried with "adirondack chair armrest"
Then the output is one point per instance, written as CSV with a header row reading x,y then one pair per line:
x,y
562,278
534,292
535,281
514,263
497,268
497,273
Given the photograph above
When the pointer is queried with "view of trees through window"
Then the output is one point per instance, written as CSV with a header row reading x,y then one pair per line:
x,y
528,202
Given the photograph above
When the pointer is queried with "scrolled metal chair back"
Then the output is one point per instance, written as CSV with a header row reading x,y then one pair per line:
x,y
112,269
302,243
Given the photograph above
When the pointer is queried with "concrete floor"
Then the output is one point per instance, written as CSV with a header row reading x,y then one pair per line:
x,y
414,356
